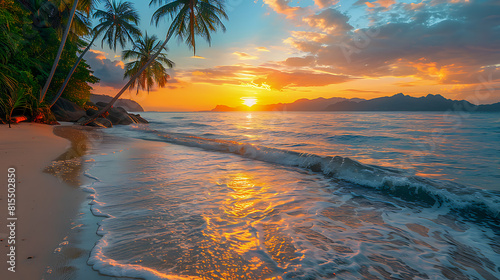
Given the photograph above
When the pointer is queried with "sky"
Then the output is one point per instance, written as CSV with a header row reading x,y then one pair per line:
x,y
279,51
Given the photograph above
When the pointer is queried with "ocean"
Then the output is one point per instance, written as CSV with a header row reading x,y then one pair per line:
x,y
297,195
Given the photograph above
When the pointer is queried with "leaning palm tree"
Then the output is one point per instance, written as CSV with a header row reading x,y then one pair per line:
x,y
155,73
81,27
59,52
7,49
190,18
118,22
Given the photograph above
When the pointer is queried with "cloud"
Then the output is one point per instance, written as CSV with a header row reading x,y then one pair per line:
x,y
109,71
300,61
283,7
325,3
259,76
330,21
379,3
446,43
262,49
279,80
362,91
98,54
245,56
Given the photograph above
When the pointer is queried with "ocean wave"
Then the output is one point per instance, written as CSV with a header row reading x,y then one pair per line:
x,y
393,181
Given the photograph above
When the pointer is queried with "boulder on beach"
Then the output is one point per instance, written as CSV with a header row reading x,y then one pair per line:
x,y
118,115
127,104
105,122
67,111
101,122
137,118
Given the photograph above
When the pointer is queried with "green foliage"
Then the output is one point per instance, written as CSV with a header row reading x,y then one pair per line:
x,y
191,18
15,102
117,23
28,45
78,89
155,73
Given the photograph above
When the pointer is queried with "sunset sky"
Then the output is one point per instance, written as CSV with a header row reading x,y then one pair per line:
x,y
280,51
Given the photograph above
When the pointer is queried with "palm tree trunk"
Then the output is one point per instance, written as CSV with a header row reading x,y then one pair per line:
x,y
59,52
110,104
191,25
61,90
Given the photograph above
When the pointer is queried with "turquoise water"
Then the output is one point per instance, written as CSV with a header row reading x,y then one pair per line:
x,y
299,196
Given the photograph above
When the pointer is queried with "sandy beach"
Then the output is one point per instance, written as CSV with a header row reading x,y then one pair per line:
x,y
44,205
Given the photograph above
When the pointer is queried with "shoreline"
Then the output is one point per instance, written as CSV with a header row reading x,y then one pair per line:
x,y
47,168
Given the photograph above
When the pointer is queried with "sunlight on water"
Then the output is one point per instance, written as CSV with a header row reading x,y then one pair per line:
x,y
228,196
178,212
439,145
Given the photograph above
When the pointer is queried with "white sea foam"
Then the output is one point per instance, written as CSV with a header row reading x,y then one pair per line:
x,y
395,181
311,231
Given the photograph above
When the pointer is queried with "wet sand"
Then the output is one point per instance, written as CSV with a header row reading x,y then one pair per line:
x,y
47,169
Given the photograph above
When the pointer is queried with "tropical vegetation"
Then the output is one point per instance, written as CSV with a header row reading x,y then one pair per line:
x,y
43,42
156,73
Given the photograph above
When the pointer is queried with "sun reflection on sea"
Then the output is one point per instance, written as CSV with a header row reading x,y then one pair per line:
x,y
235,227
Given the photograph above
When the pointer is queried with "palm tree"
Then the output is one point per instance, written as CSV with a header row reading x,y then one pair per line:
x,y
59,52
78,29
118,22
143,50
7,49
54,14
190,18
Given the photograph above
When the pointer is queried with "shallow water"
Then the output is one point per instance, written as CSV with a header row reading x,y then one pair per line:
x,y
194,200
462,147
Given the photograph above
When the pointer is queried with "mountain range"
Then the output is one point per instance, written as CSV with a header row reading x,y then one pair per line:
x,y
398,102
304,104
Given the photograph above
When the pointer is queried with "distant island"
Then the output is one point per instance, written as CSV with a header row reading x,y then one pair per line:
x,y
397,102
304,104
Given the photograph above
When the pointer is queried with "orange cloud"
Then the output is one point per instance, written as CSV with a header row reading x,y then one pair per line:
x,y
245,56
381,3
309,36
99,54
120,63
300,61
262,49
283,7
265,77
385,3
330,21
325,3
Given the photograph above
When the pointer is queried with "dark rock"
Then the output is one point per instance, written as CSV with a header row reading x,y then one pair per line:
x,y
96,123
82,120
138,119
101,104
119,116
127,104
90,112
105,122
90,104
118,110
67,111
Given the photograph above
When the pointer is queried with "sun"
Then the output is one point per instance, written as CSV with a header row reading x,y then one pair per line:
x,y
249,101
